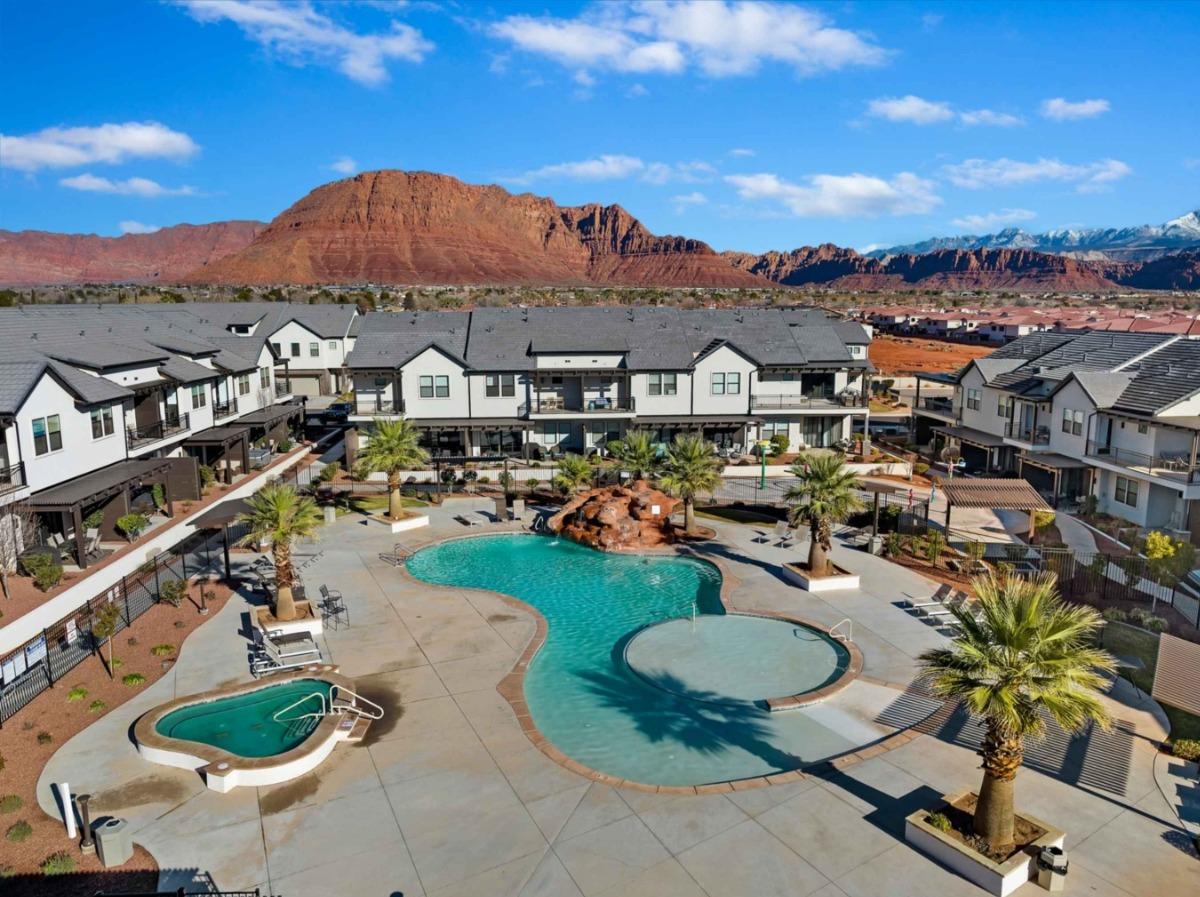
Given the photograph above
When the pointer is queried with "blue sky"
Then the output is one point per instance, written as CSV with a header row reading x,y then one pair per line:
x,y
751,126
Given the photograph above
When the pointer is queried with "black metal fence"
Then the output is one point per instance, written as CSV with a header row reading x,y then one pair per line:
x,y
45,659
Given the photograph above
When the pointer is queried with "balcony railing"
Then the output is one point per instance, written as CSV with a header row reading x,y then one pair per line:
x,y
282,388
369,406
553,404
225,408
1172,465
139,436
939,404
813,400
12,477
1029,435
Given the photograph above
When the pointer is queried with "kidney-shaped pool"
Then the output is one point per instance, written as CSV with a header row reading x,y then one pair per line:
x,y
654,726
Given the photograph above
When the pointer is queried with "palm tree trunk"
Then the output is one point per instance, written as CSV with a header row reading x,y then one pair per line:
x,y
994,815
285,605
689,516
818,560
395,502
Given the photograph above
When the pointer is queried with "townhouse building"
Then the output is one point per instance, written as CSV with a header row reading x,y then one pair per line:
x,y
542,381
99,404
1113,415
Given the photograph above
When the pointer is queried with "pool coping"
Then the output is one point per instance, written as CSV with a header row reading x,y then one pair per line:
x,y
512,686
220,768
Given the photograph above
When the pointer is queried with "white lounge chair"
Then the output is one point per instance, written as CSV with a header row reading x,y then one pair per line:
x,y
783,534
957,601
274,654
468,519
935,600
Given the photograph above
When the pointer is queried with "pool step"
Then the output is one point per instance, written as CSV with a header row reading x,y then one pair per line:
x,y
359,729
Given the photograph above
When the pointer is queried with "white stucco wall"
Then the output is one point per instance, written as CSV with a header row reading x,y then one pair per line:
x,y
497,406
1073,398
727,361
433,363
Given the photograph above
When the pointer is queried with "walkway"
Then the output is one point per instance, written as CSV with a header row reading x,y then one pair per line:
x,y
450,798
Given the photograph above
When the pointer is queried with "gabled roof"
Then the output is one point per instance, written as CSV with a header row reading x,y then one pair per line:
x,y
1104,388
184,371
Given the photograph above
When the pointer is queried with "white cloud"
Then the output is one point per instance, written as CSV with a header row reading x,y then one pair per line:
x,y
741,151
637,90
688,200
300,34
143,187
136,227
1060,109
911,109
931,20
583,79
842,196
1090,177
990,117
617,167
719,37
108,143
343,165
992,220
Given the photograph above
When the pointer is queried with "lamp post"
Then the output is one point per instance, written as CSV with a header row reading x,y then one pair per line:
x,y
762,454
87,845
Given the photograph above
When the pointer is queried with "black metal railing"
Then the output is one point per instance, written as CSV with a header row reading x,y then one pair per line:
x,y
12,477
939,404
1029,435
370,405
225,408
811,400
162,429
551,404
1174,465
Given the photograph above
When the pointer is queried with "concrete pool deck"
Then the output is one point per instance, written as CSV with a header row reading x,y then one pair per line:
x,y
449,797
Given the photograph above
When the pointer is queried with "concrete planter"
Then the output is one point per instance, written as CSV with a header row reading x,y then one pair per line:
x,y
307,620
416,521
841,580
1000,879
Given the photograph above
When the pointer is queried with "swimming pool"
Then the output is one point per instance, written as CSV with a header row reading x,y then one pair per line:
x,y
246,725
586,700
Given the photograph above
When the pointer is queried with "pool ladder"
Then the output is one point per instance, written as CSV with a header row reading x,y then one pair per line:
x,y
848,635
341,700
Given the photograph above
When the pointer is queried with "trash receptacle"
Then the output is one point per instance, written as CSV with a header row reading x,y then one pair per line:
x,y
330,514
114,842
1052,868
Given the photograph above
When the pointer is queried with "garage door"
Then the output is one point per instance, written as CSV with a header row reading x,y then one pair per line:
x,y
304,385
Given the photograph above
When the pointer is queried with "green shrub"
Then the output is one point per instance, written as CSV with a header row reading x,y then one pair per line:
x,y
505,480
920,468
59,863
19,831
779,443
172,591
448,476
470,476
330,471
163,650
1042,519
285,445
208,476
1147,620
935,544
132,525
96,706
1186,748
78,693
1114,614
532,483
894,545
159,493
939,821
44,737
10,803
133,679
93,520
483,481
45,570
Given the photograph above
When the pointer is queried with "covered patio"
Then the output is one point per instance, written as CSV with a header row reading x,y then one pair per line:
x,y
275,423
994,494
221,448
981,451
1057,476
109,490
507,436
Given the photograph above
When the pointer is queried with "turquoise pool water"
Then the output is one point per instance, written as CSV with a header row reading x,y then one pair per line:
x,y
244,725
586,700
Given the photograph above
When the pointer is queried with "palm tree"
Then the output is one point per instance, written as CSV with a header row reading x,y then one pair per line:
x,y
280,515
573,472
824,495
692,467
1027,655
393,448
636,452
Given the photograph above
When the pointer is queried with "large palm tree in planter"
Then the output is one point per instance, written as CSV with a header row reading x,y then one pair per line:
x,y
574,472
394,447
636,452
824,494
691,468
1025,657
280,515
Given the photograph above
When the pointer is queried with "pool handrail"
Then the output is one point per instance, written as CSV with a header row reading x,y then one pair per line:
x,y
370,709
848,635
316,694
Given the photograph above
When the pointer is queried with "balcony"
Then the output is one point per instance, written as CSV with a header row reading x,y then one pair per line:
x,y
12,478
805,402
282,389
1175,466
225,408
938,405
552,403
163,429
368,406
1037,435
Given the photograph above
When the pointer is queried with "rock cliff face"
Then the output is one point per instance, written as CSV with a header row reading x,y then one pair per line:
x,y
402,227
617,518
29,257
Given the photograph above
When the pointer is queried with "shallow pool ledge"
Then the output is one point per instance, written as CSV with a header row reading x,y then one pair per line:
x,y
223,771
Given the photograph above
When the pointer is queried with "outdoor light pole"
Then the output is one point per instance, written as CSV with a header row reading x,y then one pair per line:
x,y
87,845
762,454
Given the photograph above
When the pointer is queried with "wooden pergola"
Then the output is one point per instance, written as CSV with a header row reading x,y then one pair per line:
x,y
996,494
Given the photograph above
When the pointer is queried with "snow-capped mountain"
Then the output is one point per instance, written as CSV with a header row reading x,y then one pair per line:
x,y
1141,243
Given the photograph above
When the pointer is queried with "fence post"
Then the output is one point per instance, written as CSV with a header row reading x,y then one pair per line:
x,y
49,672
157,593
183,561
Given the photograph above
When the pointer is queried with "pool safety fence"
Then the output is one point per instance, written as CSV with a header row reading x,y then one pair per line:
x,y
44,660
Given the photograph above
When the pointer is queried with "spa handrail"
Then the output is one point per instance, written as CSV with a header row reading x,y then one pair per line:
x,y
371,710
316,694
848,635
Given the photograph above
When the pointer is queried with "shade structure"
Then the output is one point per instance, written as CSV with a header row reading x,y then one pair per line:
x,y
997,494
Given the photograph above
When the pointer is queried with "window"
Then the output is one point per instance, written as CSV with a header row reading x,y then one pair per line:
x,y
555,432
774,428
1143,429
243,384
199,396
314,350
295,350
1127,492
426,386
718,384
333,345
1072,422
974,399
434,387
663,384
733,383
278,350
500,385
264,377
47,434
1003,406
102,422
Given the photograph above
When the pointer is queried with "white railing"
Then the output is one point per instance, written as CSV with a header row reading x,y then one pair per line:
x,y
848,635
369,708
279,714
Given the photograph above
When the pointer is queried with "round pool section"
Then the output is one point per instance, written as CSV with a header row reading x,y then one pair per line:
x,y
586,701
736,658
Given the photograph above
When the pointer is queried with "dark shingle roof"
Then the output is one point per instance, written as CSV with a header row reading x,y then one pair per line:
x,y
1170,375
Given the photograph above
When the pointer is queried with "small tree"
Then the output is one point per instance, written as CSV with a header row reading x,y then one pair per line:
x,y
573,473
692,467
976,551
636,452
1027,654
16,524
281,515
934,546
392,449
104,627
824,494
